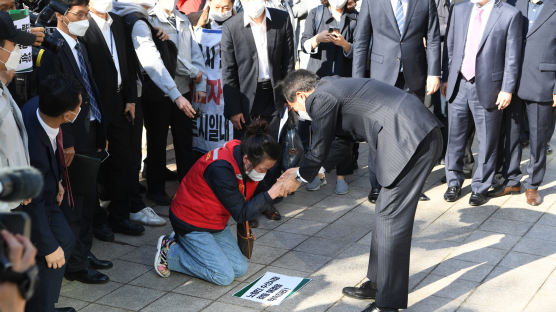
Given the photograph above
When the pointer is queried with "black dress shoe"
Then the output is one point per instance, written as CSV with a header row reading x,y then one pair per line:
x,y
66,309
477,199
452,194
98,264
373,195
103,232
89,276
126,227
161,199
366,291
423,197
373,308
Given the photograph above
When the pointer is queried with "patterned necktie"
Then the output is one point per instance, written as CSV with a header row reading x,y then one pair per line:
x,y
85,77
62,160
472,46
400,18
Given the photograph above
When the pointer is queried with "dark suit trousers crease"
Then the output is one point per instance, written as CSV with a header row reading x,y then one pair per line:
x,y
540,120
263,107
394,217
461,111
50,280
136,200
340,157
80,217
159,116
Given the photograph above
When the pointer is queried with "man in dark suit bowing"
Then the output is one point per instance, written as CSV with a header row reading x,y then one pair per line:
x,y
86,135
536,95
106,44
58,103
398,55
406,140
480,73
257,52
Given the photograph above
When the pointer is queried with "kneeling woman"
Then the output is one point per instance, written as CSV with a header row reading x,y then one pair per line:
x,y
220,184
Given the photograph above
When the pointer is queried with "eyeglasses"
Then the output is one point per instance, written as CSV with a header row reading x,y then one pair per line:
x,y
80,15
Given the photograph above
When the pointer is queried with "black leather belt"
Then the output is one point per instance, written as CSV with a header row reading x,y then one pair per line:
x,y
264,85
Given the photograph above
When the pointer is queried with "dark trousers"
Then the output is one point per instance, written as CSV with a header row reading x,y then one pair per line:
x,y
263,107
464,109
340,157
80,217
134,167
540,120
50,280
394,217
159,115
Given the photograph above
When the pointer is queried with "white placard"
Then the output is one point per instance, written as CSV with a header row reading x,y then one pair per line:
x,y
272,288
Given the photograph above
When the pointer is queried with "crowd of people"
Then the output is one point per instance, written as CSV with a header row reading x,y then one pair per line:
x,y
235,81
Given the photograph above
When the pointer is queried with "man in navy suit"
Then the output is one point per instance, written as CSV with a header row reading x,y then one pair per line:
x,y
483,55
536,97
59,102
85,136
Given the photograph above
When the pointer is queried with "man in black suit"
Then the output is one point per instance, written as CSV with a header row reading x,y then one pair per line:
x,y
257,52
480,74
86,135
536,97
58,103
398,55
106,44
405,139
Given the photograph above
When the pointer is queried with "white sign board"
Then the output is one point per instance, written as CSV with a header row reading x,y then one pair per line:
x,y
22,22
272,288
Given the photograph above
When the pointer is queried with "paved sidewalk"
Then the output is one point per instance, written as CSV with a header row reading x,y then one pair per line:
x,y
498,257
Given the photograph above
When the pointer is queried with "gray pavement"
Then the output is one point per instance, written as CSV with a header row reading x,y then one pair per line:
x,y
498,257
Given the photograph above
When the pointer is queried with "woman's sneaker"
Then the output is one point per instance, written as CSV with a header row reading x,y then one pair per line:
x,y
160,259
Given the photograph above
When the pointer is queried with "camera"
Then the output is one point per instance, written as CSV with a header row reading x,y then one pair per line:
x,y
42,14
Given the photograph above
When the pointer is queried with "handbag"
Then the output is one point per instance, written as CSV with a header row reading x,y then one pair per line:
x,y
245,237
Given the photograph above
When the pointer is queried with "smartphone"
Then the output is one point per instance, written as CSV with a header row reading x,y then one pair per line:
x,y
16,223
333,30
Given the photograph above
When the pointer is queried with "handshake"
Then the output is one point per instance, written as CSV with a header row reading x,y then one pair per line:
x,y
286,184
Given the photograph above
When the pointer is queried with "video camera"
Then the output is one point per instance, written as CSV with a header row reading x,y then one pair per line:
x,y
42,14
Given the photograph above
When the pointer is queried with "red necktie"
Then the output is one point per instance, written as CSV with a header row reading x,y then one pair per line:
x,y
62,159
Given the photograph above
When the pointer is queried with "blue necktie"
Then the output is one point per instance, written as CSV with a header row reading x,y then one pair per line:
x,y
95,112
400,18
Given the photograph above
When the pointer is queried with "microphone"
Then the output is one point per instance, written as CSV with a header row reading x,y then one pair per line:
x,y
19,183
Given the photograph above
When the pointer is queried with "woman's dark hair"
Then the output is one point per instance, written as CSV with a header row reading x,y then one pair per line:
x,y
58,93
300,80
349,7
258,144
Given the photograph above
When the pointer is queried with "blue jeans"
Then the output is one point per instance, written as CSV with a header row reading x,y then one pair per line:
x,y
214,257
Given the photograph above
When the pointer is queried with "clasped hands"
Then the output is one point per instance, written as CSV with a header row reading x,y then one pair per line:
x,y
286,184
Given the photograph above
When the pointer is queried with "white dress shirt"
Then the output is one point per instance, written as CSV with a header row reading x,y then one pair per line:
x,y
394,4
486,13
259,35
104,26
52,133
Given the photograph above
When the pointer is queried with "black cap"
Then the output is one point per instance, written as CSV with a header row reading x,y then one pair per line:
x,y
9,32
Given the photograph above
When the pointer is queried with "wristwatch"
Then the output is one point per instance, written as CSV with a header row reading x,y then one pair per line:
x,y
26,281
299,178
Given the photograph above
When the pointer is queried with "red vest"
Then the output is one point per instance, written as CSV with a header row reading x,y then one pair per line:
x,y
195,202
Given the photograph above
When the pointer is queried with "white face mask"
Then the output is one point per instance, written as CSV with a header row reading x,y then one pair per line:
x,y
102,6
78,28
254,8
337,4
73,120
13,60
304,116
256,176
220,17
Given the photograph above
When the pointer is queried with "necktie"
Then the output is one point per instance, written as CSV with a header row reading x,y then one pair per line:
x,y
85,77
62,160
472,46
400,18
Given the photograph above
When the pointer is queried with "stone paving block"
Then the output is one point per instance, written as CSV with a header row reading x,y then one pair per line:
x,y
338,202
542,301
415,279
152,280
266,224
544,232
469,271
323,246
525,215
85,292
434,303
356,219
365,207
366,240
229,298
252,269
265,255
301,261
497,299
522,260
102,308
489,255
323,214
109,251
149,237
506,226
536,247
450,287
317,295
281,239
289,210
223,307
177,303
256,231
125,271
203,289
131,297
300,226
64,302
517,279
304,198
347,304
142,255
548,218
494,240
341,232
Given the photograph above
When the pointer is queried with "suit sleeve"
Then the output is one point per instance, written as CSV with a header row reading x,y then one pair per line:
x,y
514,41
433,42
324,112
309,32
448,47
362,40
288,62
230,78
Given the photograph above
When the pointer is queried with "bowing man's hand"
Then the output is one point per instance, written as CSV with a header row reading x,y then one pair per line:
x,y
433,83
504,100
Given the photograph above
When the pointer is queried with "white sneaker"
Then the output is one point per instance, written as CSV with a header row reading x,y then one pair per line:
x,y
147,216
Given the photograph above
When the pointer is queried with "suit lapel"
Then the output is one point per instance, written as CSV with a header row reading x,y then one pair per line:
x,y
548,9
68,53
250,42
97,39
411,4
43,137
271,33
522,6
390,14
466,16
492,20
